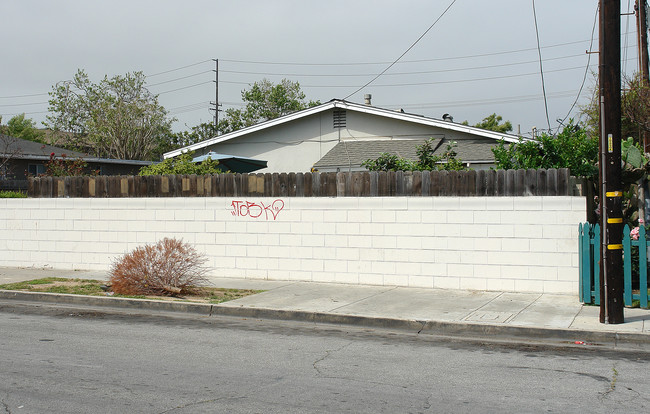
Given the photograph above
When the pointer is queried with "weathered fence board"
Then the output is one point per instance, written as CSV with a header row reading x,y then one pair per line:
x,y
343,184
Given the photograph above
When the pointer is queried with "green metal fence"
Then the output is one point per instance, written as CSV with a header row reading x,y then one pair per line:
x,y
635,266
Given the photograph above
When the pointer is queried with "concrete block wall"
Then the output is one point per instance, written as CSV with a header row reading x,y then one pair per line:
x,y
521,244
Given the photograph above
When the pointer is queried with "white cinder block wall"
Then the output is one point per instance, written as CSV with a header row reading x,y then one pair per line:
x,y
521,244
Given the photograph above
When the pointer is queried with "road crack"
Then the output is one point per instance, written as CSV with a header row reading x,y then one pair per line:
x,y
5,406
328,353
612,383
191,404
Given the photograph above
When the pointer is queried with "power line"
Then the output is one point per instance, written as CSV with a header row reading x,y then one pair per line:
x,y
181,78
174,70
406,51
402,61
184,87
511,99
541,68
584,78
429,83
396,73
24,96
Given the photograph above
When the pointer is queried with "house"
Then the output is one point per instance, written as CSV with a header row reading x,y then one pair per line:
x,y
20,158
304,140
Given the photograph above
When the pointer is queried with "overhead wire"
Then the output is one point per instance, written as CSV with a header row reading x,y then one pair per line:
x,y
406,51
584,78
179,68
541,68
402,61
395,73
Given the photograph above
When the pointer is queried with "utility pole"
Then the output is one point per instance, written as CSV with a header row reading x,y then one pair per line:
x,y
611,186
214,106
642,41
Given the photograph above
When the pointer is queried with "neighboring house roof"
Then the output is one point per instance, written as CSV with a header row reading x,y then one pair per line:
x,y
354,153
27,149
233,163
24,149
341,104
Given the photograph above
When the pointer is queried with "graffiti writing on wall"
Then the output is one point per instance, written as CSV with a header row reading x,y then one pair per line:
x,y
257,210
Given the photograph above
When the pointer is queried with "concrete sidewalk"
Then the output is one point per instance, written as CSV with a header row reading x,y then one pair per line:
x,y
501,316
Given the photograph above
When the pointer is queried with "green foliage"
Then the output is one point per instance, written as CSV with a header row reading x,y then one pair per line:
x,y
64,167
12,194
493,123
197,133
427,160
182,164
572,148
389,162
115,118
631,154
635,109
635,103
265,101
21,127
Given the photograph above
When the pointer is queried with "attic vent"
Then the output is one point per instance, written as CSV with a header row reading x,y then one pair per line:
x,y
339,117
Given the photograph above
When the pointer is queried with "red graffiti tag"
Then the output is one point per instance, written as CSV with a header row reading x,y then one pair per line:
x,y
255,210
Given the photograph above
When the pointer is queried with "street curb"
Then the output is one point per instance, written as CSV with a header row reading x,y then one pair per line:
x,y
479,332
108,302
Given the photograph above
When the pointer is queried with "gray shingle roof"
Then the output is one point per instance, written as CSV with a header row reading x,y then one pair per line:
x,y
27,149
353,153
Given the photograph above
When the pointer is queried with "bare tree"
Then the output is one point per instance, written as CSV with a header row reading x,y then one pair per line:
x,y
9,149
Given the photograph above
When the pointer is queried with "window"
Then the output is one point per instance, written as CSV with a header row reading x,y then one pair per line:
x,y
36,169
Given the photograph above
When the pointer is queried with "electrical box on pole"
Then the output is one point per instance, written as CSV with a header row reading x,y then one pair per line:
x,y
610,183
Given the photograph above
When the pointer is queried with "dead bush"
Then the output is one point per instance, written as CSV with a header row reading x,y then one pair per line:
x,y
169,267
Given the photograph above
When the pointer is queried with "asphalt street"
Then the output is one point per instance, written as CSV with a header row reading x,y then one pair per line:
x,y
59,360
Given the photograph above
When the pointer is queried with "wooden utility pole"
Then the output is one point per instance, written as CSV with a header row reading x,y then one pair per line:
x,y
640,8
611,186
215,104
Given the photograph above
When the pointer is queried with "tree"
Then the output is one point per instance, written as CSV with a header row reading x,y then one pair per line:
x,y
493,123
635,107
197,133
9,149
265,101
635,103
182,165
572,148
21,127
115,118
427,160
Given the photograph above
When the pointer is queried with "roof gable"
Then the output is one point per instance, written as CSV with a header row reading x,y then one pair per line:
x,y
341,104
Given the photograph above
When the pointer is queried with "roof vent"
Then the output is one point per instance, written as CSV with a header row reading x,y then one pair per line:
x,y
339,117
448,118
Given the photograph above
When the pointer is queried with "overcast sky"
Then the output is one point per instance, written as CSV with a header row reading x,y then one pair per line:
x,y
481,57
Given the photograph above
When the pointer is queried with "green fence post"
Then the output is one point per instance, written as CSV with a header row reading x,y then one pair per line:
x,y
627,266
596,264
643,268
581,259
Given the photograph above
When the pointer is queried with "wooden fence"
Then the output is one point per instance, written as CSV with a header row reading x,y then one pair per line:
x,y
355,184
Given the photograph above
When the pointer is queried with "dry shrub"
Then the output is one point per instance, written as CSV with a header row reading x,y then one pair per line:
x,y
169,267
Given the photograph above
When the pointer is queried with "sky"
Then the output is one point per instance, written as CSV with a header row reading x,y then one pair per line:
x,y
480,57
